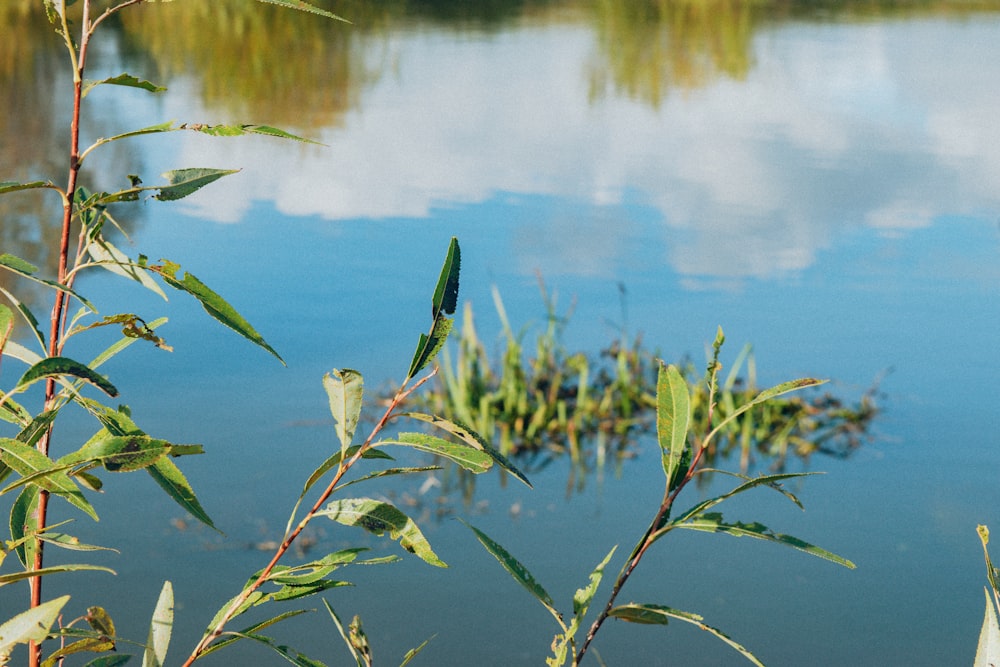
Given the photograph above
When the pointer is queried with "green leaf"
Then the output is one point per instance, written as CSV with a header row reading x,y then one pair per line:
x,y
213,304
583,596
345,389
988,650
428,346
766,395
413,652
109,661
471,458
517,570
26,315
712,522
770,481
97,644
27,461
387,473
58,366
100,621
172,480
24,524
71,543
659,615
6,325
473,439
30,626
114,260
296,591
39,426
446,292
183,182
343,633
14,186
123,80
286,652
123,453
304,7
27,270
240,130
673,419
379,517
28,574
334,460
160,628
253,629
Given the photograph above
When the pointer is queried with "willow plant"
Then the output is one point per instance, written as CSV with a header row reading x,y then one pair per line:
x,y
683,459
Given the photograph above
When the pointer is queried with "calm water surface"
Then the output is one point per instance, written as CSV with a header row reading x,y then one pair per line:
x,y
823,186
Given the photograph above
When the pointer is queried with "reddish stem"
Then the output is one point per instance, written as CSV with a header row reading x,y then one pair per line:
x,y
286,544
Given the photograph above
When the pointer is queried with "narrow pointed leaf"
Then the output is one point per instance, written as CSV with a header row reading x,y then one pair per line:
x,y
172,480
673,419
659,615
471,458
296,591
988,650
152,129
86,645
27,269
304,7
473,439
335,460
27,461
770,481
71,543
123,453
345,389
6,324
240,130
183,182
123,80
413,652
343,633
160,628
26,315
446,292
380,517
73,567
517,570
14,186
114,260
253,629
24,523
289,654
30,626
428,346
766,395
213,304
388,473
109,661
712,522
59,366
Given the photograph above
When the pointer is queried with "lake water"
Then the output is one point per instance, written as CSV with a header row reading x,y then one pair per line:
x,y
822,183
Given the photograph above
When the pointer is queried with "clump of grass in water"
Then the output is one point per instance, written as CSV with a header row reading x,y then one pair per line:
x,y
553,401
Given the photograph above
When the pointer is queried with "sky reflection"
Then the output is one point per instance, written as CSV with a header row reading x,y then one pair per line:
x,y
836,127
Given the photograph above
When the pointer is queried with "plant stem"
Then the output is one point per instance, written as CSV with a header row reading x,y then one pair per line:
x,y
58,314
653,532
401,395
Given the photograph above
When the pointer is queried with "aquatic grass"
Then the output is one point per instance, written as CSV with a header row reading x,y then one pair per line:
x,y
538,400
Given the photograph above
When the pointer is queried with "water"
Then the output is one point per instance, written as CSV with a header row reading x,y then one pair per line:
x,y
820,185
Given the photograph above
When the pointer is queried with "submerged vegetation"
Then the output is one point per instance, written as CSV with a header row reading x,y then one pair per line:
x,y
539,400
